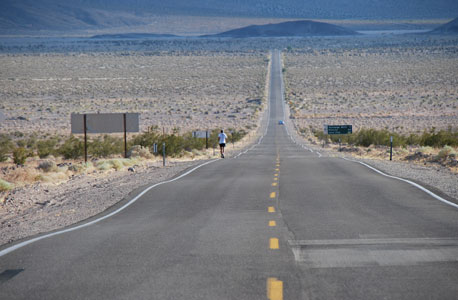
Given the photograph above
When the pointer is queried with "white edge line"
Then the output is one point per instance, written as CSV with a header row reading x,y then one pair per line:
x,y
409,182
25,243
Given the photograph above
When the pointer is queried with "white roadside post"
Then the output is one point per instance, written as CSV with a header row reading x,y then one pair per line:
x,y
163,154
391,147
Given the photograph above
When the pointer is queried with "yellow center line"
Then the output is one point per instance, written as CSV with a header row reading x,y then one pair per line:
x,y
272,195
274,184
274,289
277,169
276,175
272,223
275,178
273,243
271,209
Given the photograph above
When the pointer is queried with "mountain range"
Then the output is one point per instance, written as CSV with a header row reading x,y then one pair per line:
x,y
93,14
449,28
288,29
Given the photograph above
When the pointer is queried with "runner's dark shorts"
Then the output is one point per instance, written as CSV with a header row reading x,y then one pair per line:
x,y
222,145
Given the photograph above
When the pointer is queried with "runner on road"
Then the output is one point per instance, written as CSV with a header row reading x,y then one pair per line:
x,y
222,142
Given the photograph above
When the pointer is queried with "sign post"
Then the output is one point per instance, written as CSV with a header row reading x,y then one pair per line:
x,y
163,154
125,135
85,138
391,147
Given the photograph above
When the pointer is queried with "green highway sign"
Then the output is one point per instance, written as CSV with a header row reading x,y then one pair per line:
x,y
338,129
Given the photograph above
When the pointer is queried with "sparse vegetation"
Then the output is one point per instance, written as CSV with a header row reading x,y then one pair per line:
x,y
5,147
20,155
5,185
46,147
367,137
72,148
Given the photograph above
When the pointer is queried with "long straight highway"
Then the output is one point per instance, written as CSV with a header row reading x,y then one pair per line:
x,y
276,222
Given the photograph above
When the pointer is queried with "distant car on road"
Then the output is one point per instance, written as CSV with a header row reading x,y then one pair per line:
x,y
281,122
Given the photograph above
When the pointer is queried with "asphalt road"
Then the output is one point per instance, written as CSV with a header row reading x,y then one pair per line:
x,y
276,222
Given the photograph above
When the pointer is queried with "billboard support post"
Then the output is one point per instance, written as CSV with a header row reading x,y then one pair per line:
x,y
85,138
125,135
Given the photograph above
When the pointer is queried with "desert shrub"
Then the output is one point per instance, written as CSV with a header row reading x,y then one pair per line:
x,y
72,148
235,135
445,152
108,145
439,139
5,185
47,166
116,164
366,137
5,147
176,144
46,147
147,139
20,155
103,165
139,151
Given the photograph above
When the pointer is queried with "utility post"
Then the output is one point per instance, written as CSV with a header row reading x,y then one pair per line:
x,y
85,137
163,154
391,147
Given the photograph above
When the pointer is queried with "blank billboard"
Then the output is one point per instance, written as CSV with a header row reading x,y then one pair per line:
x,y
105,123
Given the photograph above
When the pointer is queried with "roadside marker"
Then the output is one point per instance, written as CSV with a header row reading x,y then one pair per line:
x,y
272,195
273,243
274,289
272,223
271,209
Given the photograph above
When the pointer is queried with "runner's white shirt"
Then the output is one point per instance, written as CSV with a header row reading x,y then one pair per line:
x,y
222,138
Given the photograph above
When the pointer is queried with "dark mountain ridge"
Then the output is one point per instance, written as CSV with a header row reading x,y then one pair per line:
x,y
92,14
288,29
449,28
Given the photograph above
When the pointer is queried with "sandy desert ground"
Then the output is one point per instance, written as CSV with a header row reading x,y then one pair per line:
x,y
402,89
191,91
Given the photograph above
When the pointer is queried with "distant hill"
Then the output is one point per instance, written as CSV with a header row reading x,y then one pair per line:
x,y
132,36
285,29
95,14
449,28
